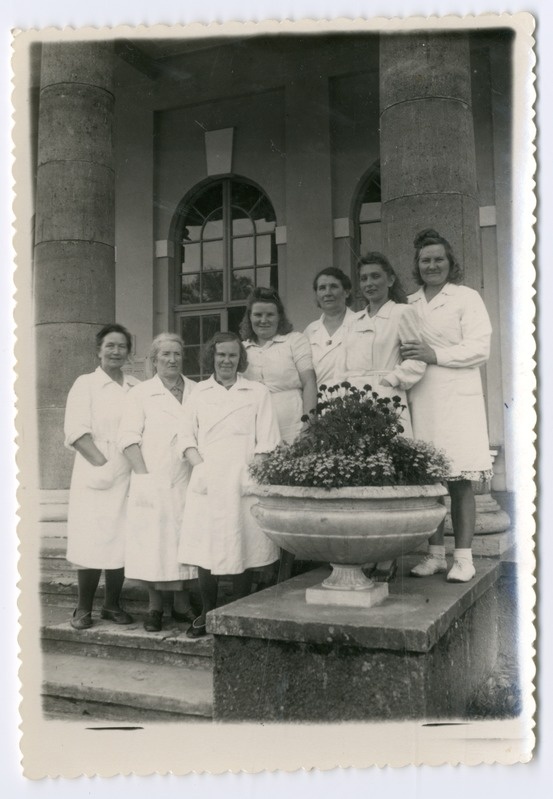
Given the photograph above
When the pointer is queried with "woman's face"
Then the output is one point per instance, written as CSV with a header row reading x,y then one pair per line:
x,y
331,295
375,284
168,360
113,351
433,265
264,319
226,360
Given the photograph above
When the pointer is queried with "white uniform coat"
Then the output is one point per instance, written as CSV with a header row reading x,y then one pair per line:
x,y
325,349
98,494
370,352
228,427
447,406
156,500
278,365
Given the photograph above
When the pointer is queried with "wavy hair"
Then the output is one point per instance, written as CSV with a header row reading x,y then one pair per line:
x,y
208,354
333,271
114,328
396,292
155,347
260,294
427,237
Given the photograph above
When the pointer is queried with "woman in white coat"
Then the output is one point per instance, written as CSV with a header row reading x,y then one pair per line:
x,y
227,422
332,289
279,358
148,438
100,479
448,404
370,353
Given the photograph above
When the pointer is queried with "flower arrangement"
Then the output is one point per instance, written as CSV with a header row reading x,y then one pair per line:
x,y
353,438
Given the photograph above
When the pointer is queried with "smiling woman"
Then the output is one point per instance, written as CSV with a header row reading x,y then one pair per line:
x,y
100,479
279,358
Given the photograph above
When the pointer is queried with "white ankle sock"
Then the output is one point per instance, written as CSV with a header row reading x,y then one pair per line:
x,y
437,550
463,554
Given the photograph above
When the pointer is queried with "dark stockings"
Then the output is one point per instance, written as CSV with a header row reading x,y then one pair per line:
x,y
88,580
241,587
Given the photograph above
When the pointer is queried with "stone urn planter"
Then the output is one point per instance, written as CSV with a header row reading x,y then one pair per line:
x,y
349,528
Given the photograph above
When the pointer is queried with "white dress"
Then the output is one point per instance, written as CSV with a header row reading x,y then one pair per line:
x,y
278,365
447,405
227,427
98,494
325,349
156,500
370,352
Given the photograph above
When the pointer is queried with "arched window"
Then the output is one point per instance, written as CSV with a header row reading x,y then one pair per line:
x,y
368,212
225,245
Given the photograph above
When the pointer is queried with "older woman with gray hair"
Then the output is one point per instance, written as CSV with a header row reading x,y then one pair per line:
x,y
148,438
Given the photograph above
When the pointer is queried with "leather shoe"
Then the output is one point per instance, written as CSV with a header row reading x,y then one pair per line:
x,y
197,629
152,622
187,616
117,616
81,619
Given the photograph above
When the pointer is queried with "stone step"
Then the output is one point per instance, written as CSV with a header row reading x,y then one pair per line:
x,y
100,688
130,642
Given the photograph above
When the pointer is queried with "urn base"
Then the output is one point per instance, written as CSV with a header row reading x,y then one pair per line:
x,y
375,594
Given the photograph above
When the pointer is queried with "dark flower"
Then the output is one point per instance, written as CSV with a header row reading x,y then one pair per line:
x,y
304,418
367,388
396,398
322,387
345,384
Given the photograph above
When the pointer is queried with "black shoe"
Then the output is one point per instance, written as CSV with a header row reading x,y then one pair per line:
x,y
187,616
81,619
384,573
197,629
118,616
152,622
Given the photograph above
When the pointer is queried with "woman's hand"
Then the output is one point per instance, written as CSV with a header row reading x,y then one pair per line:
x,y
418,351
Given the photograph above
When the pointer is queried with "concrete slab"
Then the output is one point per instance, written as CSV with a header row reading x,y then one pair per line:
x,y
170,689
416,614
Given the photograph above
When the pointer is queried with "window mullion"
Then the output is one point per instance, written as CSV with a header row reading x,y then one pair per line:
x,y
227,240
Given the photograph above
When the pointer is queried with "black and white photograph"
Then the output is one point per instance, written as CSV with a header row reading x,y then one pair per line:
x,y
276,470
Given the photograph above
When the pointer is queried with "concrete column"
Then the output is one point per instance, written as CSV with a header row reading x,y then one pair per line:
x,y
74,281
309,230
428,164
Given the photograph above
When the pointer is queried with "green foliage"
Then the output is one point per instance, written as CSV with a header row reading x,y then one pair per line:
x,y
353,438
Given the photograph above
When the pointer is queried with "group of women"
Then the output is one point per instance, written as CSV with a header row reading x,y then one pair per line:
x,y
161,490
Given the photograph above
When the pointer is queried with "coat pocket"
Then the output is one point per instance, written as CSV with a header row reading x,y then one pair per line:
x,y
99,478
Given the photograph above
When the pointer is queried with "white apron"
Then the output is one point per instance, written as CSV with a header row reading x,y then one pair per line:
x,y
98,494
156,500
218,531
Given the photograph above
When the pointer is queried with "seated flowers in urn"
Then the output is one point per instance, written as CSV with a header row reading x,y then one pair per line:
x,y
353,438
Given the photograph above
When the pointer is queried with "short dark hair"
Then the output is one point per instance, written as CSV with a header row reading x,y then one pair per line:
x,y
427,237
260,294
397,292
333,271
208,355
113,328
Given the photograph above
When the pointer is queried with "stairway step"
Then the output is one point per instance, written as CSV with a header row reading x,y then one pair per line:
x,y
130,642
121,689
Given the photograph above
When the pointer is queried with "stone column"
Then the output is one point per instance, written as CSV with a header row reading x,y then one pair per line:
x,y
74,280
428,164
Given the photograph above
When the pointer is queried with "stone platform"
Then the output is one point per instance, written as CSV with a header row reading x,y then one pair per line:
x,y
422,654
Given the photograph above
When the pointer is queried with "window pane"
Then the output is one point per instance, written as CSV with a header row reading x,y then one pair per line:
x,y
208,199
242,225
370,237
191,233
245,196
263,277
213,229
191,258
212,286
213,255
190,289
242,283
264,249
242,252
210,325
235,315
191,361
190,329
